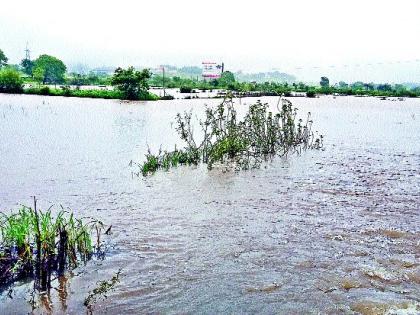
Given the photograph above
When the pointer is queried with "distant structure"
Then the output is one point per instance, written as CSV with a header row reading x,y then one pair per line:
x,y
27,52
212,70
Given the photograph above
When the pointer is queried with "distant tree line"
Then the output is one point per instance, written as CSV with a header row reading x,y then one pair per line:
x,y
133,84
46,70
363,88
227,81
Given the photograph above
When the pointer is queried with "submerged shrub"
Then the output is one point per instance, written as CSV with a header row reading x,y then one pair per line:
x,y
133,84
310,93
244,144
45,90
36,244
10,81
185,89
165,160
167,97
66,90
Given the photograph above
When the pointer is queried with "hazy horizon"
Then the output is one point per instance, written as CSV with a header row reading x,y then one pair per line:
x,y
353,42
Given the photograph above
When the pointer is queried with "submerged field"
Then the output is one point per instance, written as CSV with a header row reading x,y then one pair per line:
x,y
330,231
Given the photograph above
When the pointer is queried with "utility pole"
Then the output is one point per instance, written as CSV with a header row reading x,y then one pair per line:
x,y
27,52
163,80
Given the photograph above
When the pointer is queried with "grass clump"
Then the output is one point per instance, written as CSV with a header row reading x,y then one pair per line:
x,y
243,143
165,160
35,244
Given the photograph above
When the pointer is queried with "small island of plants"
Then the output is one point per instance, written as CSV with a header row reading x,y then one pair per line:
x,y
242,143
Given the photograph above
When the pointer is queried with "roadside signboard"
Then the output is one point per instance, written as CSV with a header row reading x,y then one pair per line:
x,y
212,70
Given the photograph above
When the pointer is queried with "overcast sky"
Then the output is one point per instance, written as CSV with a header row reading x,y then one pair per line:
x,y
334,36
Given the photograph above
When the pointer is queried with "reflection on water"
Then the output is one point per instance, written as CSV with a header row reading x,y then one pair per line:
x,y
333,231
62,292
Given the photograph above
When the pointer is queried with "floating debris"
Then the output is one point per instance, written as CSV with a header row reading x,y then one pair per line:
x,y
267,289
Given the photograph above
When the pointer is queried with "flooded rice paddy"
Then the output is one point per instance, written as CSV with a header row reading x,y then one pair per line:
x,y
335,231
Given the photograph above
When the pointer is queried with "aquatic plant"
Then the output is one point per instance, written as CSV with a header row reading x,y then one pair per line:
x,y
102,288
35,244
258,137
165,160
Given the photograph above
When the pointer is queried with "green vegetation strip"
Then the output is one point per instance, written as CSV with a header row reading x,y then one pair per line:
x,y
133,84
67,91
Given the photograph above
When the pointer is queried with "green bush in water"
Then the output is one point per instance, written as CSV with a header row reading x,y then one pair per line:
x,y
35,244
245,143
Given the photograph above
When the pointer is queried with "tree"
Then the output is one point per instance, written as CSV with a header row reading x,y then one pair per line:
x,y
302,86
10,80
343,85
325,82
133,84
3,59
369,86
385,87
357,85
227,79
49,69
27,65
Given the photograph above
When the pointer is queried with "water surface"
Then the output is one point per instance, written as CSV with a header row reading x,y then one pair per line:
x,y
331,231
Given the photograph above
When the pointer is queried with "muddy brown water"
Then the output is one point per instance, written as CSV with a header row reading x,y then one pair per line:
x,y
332,231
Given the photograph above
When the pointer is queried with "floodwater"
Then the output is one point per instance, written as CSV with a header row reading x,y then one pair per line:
x,y
334,231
